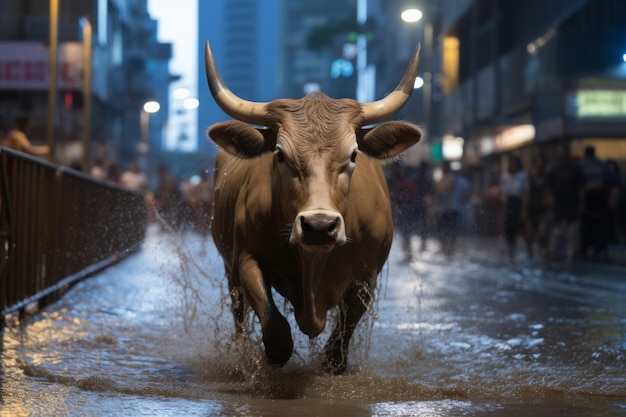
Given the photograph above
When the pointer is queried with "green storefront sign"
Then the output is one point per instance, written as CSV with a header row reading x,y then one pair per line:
x,y
600,103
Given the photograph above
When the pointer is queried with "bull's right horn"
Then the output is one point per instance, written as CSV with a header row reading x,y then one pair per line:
x,y
380,110
235,107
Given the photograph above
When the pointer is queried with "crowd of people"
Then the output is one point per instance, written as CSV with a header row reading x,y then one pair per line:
x,y
173,204
562,210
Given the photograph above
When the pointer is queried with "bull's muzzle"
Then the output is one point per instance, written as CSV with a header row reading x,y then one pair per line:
x,y
318,230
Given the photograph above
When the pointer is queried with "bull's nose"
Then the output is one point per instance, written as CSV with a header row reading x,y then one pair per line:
x,y
318,228
319,231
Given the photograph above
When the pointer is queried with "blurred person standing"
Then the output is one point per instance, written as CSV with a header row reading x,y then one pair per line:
x,y
566,184
134,179
17,138
537,211
424,187
402,195
169,200
617,203
451,193
200,199
514,188
595,228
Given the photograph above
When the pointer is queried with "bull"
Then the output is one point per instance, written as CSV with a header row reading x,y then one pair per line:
x,y
301,206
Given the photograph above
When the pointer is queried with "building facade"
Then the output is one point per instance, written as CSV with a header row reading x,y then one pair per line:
x,y
528,77
128,67
245,39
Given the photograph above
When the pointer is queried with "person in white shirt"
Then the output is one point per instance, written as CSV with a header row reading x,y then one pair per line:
x,y
134,179
514,188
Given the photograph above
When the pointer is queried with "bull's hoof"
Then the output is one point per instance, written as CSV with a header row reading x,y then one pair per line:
x,y
336,362
278,359
278,343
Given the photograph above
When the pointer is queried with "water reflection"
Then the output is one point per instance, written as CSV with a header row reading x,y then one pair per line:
x,y
467,336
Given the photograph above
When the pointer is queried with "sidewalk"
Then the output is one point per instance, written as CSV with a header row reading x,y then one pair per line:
x,y
491,250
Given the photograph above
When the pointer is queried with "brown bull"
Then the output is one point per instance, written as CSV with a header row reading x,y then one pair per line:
x,y
301,205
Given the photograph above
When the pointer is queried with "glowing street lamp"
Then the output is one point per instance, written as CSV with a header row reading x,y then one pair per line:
x,y
191,103
181,93
411,15
148,108
151,106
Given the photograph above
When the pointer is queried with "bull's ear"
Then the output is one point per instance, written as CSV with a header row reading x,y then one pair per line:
x,y
389,139
242,140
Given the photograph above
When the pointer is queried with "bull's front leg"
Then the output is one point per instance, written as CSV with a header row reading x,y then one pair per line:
x,y
355,303
276,331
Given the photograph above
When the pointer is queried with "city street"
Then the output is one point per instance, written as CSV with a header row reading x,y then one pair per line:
x,y
152,336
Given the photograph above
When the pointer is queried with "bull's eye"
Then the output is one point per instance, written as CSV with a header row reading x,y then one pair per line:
x,y
353,156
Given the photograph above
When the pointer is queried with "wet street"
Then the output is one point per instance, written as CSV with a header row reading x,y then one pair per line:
x,y
468,336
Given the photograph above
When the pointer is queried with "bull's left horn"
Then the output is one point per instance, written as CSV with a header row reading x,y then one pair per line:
x,y
380,110
235,107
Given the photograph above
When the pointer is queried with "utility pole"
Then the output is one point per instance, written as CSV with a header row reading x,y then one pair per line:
x,y
52,71
87,36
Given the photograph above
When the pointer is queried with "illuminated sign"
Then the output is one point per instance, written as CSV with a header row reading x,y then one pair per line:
x,y
24,66
600,103
452,147
508,139
341,68
514,137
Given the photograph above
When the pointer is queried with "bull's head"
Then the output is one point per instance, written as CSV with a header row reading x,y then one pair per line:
x,y
316,141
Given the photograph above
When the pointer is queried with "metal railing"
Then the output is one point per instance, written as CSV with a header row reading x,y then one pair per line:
x,y
58,226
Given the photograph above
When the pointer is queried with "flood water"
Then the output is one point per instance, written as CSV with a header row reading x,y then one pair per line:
x,y
152,336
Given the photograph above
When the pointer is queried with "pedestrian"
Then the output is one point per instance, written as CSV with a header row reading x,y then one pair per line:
x,y
566,184
134,179
491,212
98,170
402,193
17,138
169,200
451,193
618,203
514,187
537,211
424,187
595,225
200,200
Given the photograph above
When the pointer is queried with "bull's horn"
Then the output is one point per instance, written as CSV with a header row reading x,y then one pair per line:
x,y
235,107
377,111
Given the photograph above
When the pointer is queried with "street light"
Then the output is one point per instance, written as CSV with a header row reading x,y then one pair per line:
x,y
87,38
151,107
181,93
52,70
191,103
411,15
148,108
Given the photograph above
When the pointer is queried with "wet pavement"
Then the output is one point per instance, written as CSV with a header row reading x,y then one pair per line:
x,y
467,336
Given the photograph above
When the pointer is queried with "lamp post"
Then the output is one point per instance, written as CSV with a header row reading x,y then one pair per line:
x,y
412,15
182,134
87,35
149,107
52,71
